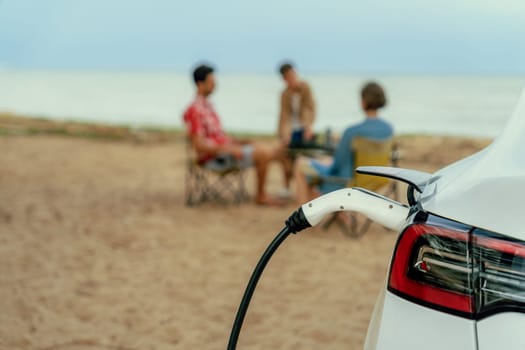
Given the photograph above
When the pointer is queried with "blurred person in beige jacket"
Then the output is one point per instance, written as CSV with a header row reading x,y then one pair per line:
x,y
296,116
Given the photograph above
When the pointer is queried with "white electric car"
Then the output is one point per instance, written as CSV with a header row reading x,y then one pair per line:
x,y
457,275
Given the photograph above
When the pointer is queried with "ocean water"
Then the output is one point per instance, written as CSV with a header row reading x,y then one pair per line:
x,y
449,105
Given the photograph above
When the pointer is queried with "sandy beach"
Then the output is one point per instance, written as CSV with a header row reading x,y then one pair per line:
x,y
98,251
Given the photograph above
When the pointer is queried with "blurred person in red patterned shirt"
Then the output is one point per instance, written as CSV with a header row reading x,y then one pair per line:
x,y
214,148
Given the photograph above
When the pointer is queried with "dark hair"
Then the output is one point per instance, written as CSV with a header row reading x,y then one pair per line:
x,y
373,96
285,67
201,72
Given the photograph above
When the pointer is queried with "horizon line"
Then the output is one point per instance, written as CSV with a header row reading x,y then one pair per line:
x,y
517,74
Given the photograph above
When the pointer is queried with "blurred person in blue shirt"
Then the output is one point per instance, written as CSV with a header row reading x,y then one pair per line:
x,y
374,127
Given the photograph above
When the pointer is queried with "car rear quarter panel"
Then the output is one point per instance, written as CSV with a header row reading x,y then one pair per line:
x,y
502,331
400,324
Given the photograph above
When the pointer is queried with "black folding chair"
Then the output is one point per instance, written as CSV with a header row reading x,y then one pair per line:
x,y
222,184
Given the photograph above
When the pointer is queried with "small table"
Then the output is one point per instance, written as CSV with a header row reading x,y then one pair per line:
x,y
311,150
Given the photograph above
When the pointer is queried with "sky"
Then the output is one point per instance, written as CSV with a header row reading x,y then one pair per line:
x,y
380,36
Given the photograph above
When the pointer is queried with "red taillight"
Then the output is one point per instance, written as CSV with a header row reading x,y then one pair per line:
x,y
431,265
458,270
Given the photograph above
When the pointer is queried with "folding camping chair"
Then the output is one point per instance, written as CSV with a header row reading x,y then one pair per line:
x,y
223,184
365,152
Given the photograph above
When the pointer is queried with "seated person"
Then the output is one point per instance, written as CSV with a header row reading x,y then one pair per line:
x,y
342,165
214,147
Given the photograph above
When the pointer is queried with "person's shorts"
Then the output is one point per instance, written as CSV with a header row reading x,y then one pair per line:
x,y
314,171
227,161
308,168
296,138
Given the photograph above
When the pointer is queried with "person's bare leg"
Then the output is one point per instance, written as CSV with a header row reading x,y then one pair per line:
x,y
303,191
262,156
287,165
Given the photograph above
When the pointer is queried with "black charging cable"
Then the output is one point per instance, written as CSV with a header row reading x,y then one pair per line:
x,y
295,223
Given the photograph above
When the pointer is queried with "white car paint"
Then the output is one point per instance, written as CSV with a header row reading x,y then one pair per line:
x,y
502,331
486,189
400,324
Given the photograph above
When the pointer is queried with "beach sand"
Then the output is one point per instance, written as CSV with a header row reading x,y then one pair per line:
x,y
98,251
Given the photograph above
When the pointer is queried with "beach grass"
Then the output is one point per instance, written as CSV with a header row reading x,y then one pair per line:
x,y
16,124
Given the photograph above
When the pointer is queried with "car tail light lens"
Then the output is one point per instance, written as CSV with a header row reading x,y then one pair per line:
x,y
500,282
458,269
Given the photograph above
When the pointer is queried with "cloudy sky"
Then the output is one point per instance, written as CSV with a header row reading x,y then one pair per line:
x,y
384,36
